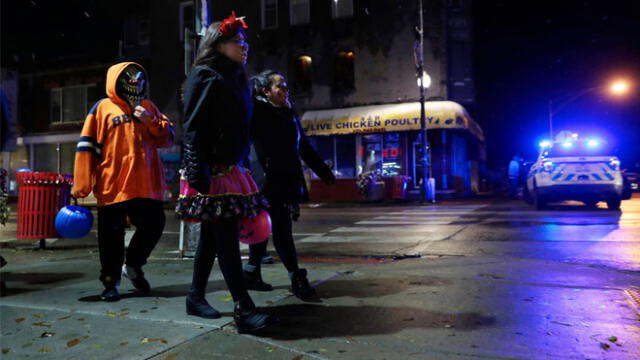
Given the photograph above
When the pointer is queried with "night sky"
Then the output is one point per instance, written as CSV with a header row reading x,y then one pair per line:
x,y
528,52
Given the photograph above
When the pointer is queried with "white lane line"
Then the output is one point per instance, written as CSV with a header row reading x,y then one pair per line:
x,y
364,239
411,218
390,229
405,222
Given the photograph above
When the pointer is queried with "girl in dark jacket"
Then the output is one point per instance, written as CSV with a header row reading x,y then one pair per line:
x,y
280,143
216,188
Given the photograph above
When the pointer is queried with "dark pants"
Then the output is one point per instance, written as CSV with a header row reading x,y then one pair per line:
x,y
221,239
282,239
513,187
147,216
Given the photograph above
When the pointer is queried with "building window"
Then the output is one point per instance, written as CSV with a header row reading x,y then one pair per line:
x,y
391,155
136,32
344,71
325,147
188,36
71,104
341,8
345,156
300,12
187,18
269,14
371,153
302,73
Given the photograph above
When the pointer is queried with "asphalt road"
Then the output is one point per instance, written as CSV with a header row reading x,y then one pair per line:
x,y
568,232
479,279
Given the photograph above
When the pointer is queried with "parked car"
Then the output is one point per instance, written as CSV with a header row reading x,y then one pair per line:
x,y
631,182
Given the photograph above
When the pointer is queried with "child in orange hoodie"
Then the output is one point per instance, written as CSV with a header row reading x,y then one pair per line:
x,y
116,158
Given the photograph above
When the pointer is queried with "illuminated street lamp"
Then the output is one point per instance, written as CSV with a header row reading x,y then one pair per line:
x,y
426,80
617,88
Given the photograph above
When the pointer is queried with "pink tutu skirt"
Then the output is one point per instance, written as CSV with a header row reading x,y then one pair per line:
x,y
232,193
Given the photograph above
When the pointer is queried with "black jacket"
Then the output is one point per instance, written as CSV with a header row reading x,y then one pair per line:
x,y
280,143
217,108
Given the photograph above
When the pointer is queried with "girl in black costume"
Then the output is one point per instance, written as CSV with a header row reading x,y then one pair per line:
x,y
216,188
280,143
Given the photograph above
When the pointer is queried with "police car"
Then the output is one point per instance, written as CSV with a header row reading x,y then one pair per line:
x,y
570,168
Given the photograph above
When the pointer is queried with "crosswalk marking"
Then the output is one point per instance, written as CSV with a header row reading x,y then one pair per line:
x,y
393,229
397,227
405,222
367,239
433,224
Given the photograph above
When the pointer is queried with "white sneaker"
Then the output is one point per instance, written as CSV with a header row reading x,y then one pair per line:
x,y
137,278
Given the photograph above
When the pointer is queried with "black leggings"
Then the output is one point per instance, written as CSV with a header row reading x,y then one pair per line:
x,y
147,215
282,239
221,239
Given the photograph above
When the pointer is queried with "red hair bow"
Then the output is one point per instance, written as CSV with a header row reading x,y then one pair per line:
x,y
231,24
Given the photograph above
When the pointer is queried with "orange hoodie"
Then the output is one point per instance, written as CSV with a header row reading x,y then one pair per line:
x,y
116,156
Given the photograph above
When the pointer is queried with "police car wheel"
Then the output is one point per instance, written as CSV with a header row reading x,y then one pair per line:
x,y
614,204
539,201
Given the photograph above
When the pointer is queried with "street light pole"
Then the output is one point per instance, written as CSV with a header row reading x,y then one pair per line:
x,y
550,120
419,59
618,88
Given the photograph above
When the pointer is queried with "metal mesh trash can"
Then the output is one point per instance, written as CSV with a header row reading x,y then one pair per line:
x,y
40,197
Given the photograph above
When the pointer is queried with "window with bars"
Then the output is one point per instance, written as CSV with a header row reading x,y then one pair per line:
x,y
302,73
300,12
269,14
72,103
344,78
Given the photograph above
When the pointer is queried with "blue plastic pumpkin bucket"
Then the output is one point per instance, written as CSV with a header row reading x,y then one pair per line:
x,y
73,221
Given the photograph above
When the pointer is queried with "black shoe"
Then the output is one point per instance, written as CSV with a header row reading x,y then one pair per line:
x,y
137,278
267,259
253,281
198,306
248,318
300,285
110,294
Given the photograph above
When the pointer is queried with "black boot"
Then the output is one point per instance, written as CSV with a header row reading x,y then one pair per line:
x,y
110,293
248,318
300,285
197,305
253,281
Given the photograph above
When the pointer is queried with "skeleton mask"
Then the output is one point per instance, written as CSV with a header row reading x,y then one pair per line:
x,y
131,84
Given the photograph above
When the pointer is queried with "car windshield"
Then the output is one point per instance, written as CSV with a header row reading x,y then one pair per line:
x,y
578,148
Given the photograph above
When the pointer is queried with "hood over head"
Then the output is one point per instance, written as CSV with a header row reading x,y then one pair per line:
x,y
126,83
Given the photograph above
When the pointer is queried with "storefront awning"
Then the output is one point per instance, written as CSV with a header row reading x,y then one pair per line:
x,y
389,117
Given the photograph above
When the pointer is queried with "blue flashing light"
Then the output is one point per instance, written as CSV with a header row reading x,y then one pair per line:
x,y
567,144
593,143
544,144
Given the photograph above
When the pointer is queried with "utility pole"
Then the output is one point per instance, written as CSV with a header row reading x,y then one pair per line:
x,y
419,60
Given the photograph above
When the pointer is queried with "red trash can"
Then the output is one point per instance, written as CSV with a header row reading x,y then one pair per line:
x,y
40,196
399,187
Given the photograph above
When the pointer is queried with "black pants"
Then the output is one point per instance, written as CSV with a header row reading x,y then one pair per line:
x,y
282,229
147,216
221,239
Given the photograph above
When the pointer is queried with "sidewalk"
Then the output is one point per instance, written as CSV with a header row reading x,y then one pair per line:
x,y
425,308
